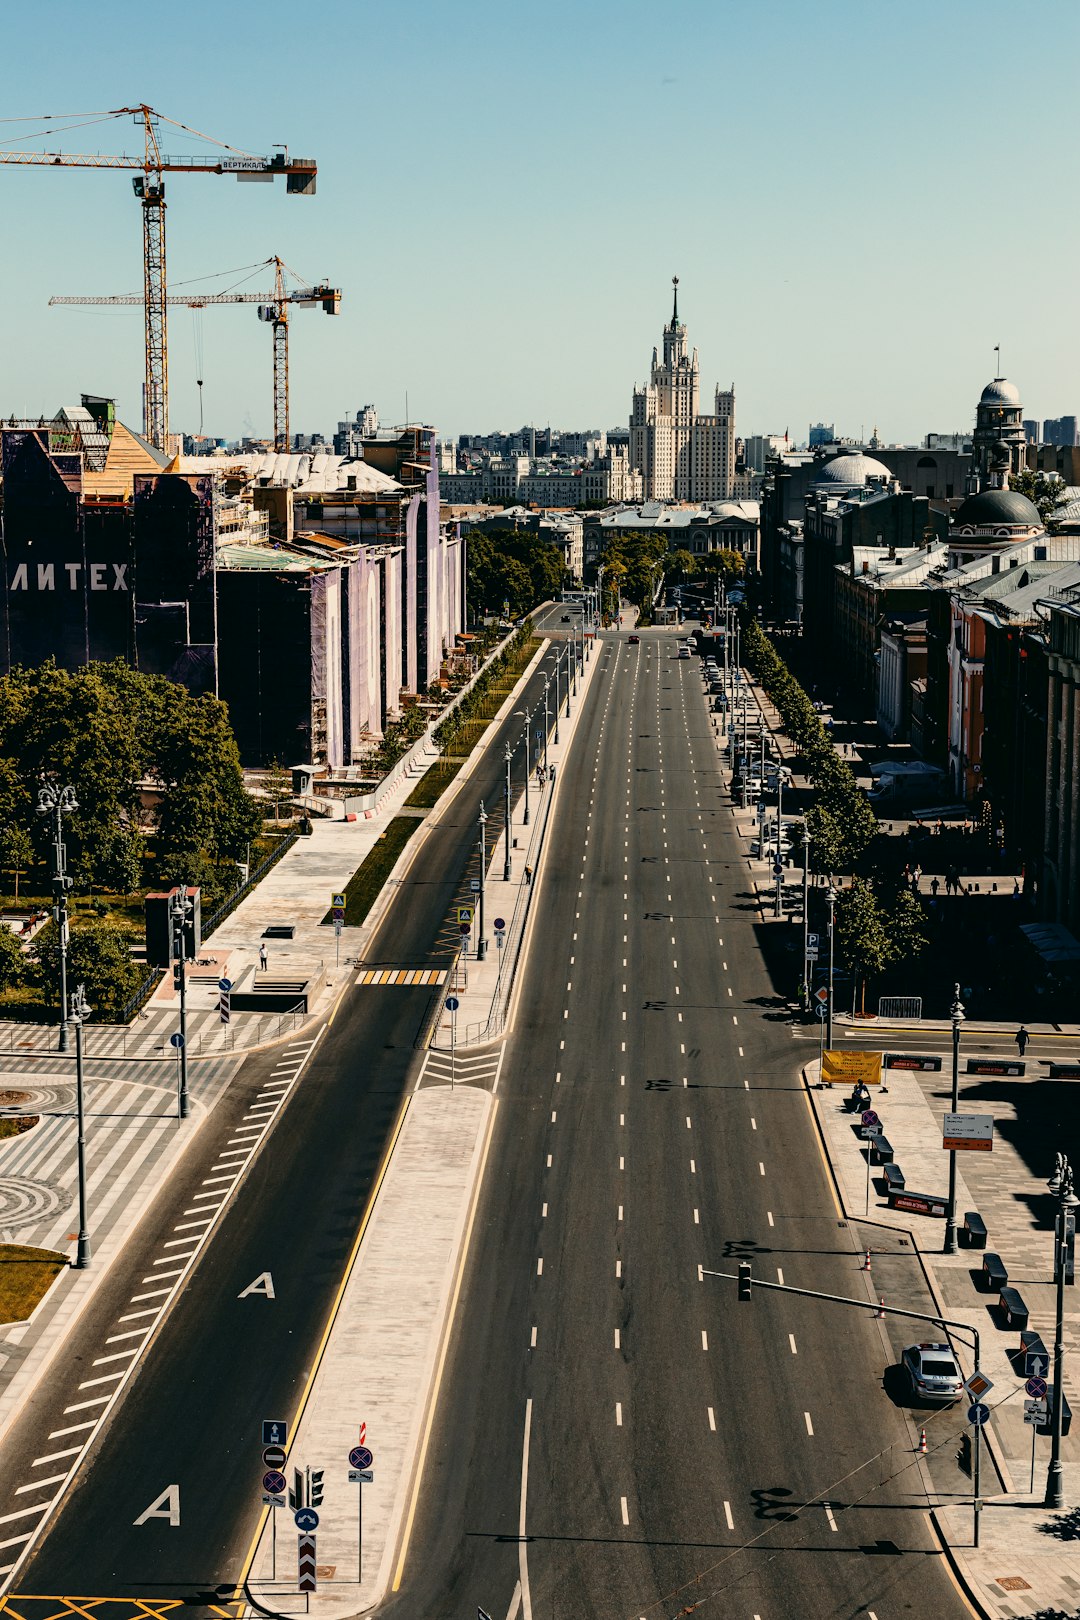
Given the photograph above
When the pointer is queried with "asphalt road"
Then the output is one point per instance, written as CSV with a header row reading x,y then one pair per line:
x,y
218,1364
615,1435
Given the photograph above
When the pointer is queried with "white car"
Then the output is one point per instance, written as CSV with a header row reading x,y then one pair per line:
x,y
932,1372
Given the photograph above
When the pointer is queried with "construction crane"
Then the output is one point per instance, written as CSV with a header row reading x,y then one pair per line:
x,y
149,186
273,308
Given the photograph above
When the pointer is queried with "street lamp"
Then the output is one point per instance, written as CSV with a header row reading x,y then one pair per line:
x,y
547,684
506,817
180,914
558,700
831,903
1061,1185
481,942
951,1244
80,1011
572,682
806,915
526,715
59,802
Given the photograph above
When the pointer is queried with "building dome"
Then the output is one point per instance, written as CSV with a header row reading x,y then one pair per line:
x,y
997,509
851,471
1000,392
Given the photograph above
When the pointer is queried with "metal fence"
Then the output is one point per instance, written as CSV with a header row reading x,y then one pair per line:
x,y
899,1007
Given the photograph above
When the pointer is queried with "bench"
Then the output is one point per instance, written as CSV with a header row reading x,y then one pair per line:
x,y
973,1232
881,1150
279,931
1012,1307
995,1273
894,1177
1031,1344
1066,1413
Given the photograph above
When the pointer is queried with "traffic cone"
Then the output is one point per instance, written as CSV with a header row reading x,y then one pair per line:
x,y
922,1442
866,1266
879,1314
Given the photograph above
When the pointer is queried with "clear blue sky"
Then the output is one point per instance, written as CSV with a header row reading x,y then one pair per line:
x,y
860,199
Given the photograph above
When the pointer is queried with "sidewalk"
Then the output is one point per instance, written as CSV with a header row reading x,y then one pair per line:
x,y
381,1362
1019,1566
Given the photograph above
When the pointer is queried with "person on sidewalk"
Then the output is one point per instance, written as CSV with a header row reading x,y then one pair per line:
x,y
528,874
1022,1038
262,955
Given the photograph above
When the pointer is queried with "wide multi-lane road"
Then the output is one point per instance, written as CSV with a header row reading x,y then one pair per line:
x,y
616,1436
156,1399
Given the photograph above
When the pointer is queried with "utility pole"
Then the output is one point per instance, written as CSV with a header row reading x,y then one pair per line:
x,y
80,1012
57,803
506,817
182,910
831,900
950,1246
806,916
1061,1184
481,942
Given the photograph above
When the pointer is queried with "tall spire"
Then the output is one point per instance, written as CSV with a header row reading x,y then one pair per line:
x,y
675,309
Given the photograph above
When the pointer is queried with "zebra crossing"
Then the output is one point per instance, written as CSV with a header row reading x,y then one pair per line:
x,y
148,1035
401,975
444,1068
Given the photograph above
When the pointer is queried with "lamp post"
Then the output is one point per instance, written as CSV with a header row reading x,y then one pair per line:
x,y
506,817
547,723
1061,1184
600,595
831,903
806,916
558,700
57,803
950,1246
80,1011
572,683
181,911
526,715
481,942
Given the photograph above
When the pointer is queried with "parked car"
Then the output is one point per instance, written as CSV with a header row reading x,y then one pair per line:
x,y
633,641
932,1372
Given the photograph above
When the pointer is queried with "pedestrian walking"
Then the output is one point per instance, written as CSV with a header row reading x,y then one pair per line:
x,y
262,956
1022,1038
528,874
934,887
916,878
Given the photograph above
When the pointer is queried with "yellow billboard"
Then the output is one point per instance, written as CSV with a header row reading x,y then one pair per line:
x,y
848,1068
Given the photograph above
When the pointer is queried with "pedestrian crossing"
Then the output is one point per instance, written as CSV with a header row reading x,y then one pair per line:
x,y
148,1035
401,975
445,1068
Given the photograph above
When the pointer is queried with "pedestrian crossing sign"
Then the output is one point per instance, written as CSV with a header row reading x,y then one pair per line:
x,y
464,914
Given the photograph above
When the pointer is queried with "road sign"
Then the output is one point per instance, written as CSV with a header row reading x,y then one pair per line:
x,y
978,1386
306,1518
971,1132
466,930
273,1456
500,922
871,1117
224,984
464,915
360,1457
224,1006
306,1571
1036,1412
1036,1388
452,1003
176,1040
821,995
339,923
1036,1364
778,870
474,885
823,1012
338,900
275,1482
272,1501
812,942
275,1432
978,1414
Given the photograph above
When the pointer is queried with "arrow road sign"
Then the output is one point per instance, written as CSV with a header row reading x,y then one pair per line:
x,y
305,1561
176,1040
306,1519
224,984
274,1456
1036,1364
275,1482
978,1414
361,1457
275,1432
1036,1388
452,1003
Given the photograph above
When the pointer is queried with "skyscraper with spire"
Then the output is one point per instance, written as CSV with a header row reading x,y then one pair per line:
x,y
681,454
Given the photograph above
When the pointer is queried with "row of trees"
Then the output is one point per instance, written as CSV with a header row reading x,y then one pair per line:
x,y
473,704
877,930
635,564
153,768
99,957
512,570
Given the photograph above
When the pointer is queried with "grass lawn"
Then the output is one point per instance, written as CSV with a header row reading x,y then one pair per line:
x,y
365,885
433,782
25,1277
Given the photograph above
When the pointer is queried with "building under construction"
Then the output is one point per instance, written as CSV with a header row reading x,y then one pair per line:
x,y
315,594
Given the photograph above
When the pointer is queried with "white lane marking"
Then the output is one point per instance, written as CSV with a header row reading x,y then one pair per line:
x,y
618,1268
794,1347
712,1419
73,1428
618,1344
753,1123
620,1212
549,1161
768,1212
515,1601
133,1316
40,1484
809,1425
693,1167
727,1516
829,1516
625,1511
553,1116
761,1167
740,1051
151,1293
688,1124
532,1340
704,1339
543,1212
622,1163
734,1018
179,1243
618,1414
15,1541
186,1226
523,1559
779,1275
132,1333
106,1378
622,1119
540,1266
697,1218
55,1456
23,1513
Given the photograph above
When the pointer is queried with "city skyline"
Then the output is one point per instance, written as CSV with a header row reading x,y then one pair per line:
x,y
832,250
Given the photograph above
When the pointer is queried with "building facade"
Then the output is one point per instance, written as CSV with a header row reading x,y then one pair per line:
x,y
681,454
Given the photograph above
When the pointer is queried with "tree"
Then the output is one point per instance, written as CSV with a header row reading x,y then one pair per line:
x,y
907,927
1044,490
277,785
863,931
16,852
205,806
12,961
99,957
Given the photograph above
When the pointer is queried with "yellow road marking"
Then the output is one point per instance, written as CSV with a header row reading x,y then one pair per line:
x,y
332,1318
826,1166
434,1402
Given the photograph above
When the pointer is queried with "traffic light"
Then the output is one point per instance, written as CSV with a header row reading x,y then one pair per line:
x,y
315,1488
297,1493
745,1279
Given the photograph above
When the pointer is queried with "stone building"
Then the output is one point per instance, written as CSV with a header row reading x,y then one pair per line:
x,y
681,454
